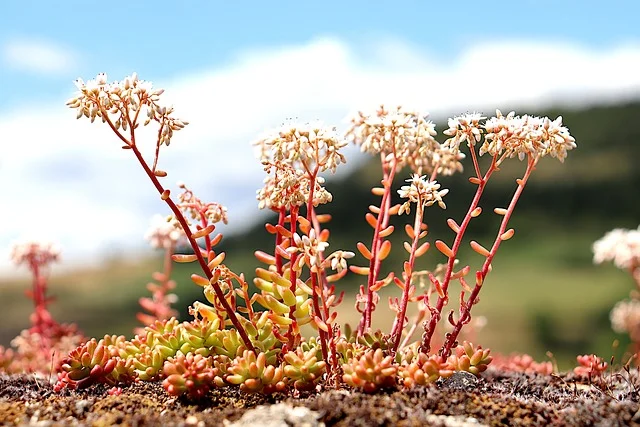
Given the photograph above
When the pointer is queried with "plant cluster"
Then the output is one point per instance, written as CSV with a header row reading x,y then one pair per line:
x,y
522,363
253,338
165,236
590,365
41,347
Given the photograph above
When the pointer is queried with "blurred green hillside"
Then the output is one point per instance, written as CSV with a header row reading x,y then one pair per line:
x,y
544,293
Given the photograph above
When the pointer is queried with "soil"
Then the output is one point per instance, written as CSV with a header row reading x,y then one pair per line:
x,y
497,398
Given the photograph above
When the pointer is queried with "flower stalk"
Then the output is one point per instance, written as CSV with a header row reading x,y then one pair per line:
x,y
503,235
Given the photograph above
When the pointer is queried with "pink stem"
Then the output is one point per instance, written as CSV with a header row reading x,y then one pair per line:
x,y
374,262
196,250
465,312
314,277
293,220
396,333
440,303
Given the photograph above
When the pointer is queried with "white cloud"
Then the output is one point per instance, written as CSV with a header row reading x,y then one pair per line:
x,y
69,181
38,56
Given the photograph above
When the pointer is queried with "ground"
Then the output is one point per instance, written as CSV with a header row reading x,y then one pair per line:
x,y
497,398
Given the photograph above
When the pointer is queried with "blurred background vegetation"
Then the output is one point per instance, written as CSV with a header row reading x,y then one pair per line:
x,y
544,293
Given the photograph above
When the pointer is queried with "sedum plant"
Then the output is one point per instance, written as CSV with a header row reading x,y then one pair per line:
x,y
371,372
161,235
522,363
41,347
252,337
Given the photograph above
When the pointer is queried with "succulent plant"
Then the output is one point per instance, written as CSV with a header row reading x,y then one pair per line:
x,y
470,359
253,374
304,369
93,363
522,363
371,372
193,374
227,342
408,354
348,350
590,365
199,336
375,340
423,370
264,336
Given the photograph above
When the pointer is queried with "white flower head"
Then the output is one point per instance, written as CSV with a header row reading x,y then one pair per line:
x,y
303,146
463,128
625,317
620,246
398,134
36,252
423,192
309,248
510,135
123,103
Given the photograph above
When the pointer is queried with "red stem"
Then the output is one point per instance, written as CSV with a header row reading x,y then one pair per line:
x,y
176,211
314,278
196,249
442,300
293,219
316,309
396,333
382,221
465,313
38,286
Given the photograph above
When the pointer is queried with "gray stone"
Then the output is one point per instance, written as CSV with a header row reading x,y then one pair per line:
x,y
461,380
279,415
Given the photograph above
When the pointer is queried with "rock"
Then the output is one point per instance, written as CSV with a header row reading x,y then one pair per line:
x,y
278,415
454,421
82,406
461,380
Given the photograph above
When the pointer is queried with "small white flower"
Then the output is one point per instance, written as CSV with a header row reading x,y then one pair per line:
x,y
620,246
338,260
422,192
625,317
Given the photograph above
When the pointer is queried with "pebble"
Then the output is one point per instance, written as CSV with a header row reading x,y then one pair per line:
x,y
461,380
81,406
279,415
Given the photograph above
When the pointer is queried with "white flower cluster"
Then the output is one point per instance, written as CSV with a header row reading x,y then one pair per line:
x,y
291,156
620,246
163,234
422,192
625,318
310,249
287,187
121,103
303,146
511,135
406,136
36,252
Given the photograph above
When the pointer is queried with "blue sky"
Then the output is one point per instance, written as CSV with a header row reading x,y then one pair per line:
x,y
177,37
235,69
